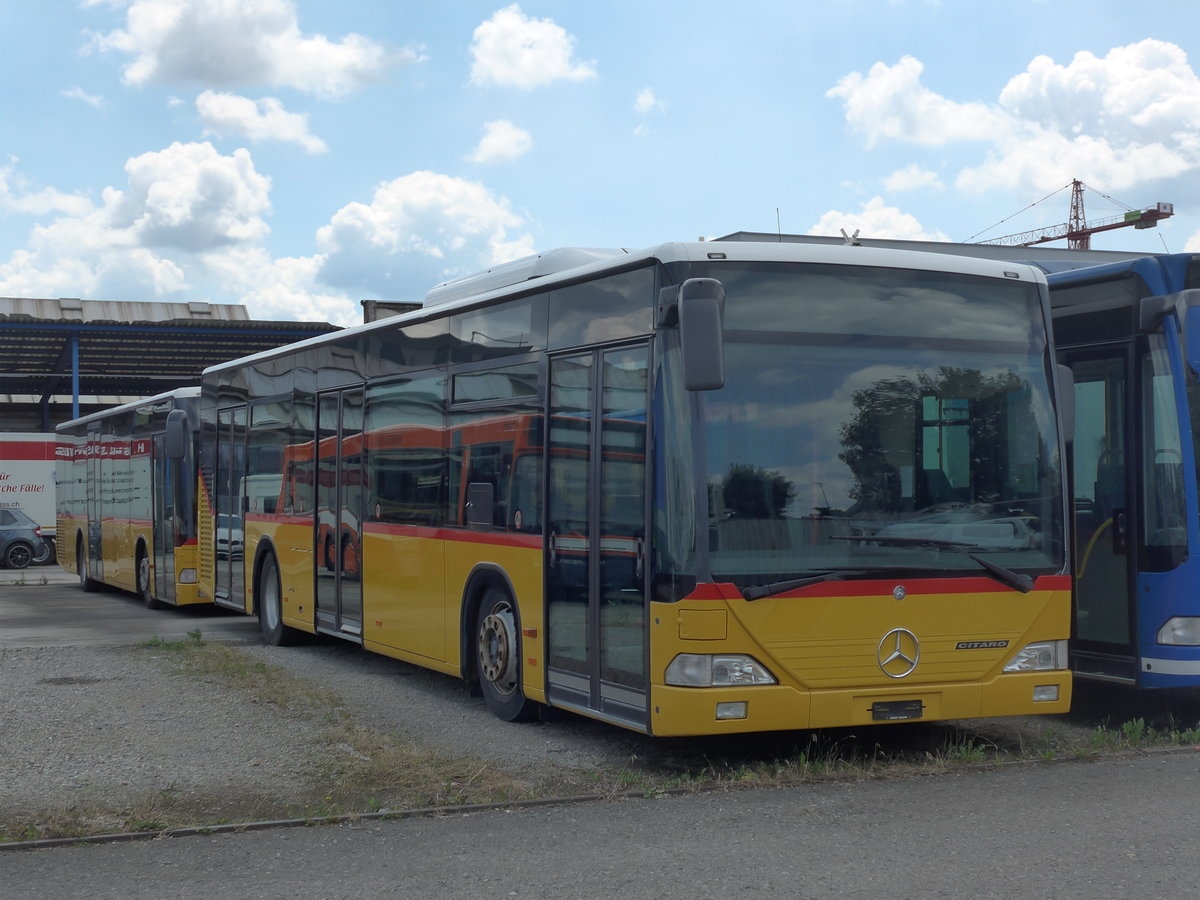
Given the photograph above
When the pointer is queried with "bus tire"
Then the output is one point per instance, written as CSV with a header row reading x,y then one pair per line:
x,y
87,585
498,657
145,587
269,594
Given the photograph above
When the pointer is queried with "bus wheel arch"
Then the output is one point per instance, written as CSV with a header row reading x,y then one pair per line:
x,y
492,645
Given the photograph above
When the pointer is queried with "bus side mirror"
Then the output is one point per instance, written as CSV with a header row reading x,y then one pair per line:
x,y
1066,401
699,309
176,443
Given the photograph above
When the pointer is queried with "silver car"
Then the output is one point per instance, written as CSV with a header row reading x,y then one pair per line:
x,y
21,541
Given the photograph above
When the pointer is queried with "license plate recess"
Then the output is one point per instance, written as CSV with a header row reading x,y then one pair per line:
x,y
896,710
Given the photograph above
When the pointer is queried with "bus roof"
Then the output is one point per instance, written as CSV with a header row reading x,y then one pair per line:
x,y
162,399
458,295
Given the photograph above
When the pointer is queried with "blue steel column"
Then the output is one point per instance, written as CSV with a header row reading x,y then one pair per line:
x,y
74,374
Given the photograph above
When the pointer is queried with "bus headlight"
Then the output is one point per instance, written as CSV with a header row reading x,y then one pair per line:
x,y
1180,630
724,670
1039,656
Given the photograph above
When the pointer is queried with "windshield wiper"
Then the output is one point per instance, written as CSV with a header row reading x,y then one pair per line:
x,y
1006,576
759,591
1015,580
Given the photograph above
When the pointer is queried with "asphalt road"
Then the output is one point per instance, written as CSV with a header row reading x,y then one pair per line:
x,y
1121,827
106,618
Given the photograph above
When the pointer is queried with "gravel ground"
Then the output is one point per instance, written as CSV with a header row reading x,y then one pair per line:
x,y
114,728
102,737
111,734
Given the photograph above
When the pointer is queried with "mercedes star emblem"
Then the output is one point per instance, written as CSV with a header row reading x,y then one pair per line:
x,y
898,653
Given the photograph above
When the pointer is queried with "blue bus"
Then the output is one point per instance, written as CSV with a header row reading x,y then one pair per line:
x,y
1130,333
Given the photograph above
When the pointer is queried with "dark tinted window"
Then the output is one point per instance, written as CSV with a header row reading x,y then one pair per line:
x,y
606,309
503,330
505,383
406,451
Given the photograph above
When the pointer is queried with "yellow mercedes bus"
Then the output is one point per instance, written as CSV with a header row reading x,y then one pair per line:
x,y
700,488
126,498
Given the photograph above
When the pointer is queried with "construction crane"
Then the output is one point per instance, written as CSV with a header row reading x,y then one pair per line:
x,y
1078,232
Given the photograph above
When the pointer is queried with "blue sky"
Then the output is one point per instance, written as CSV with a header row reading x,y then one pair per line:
x,y
299,156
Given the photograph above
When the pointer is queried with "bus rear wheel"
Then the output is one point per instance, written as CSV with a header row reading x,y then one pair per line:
x,y
497,637
269,594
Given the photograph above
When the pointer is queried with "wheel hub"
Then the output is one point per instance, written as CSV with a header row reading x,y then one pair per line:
x,y
497,640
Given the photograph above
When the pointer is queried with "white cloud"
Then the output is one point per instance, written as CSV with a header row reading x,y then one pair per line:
x,y
502,142
261,120
646,103
876,220
417,231
1046,160
141,243
512,50
190,223
192,198
78,93
912,178
15,196
1118,121
226,42
282,289
1144,92
890,103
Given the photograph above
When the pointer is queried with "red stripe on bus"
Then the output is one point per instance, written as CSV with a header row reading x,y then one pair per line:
x,y
913,587
494,538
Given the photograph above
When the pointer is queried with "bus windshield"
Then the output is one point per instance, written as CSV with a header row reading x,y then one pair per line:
x,y
879,421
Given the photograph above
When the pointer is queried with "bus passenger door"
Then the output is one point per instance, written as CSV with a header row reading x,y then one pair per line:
x,y
95,510
229,506
337,535
1105,515
162,477
596,533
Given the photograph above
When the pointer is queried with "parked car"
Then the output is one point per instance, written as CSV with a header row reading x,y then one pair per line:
x,y
229,537
21,541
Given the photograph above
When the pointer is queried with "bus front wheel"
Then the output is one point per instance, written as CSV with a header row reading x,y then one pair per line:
x,y
497,638
86,584
145,588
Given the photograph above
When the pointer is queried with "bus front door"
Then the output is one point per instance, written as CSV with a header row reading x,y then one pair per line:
x,y
596,533
229,506
1102,643
94,553
337,537
164,521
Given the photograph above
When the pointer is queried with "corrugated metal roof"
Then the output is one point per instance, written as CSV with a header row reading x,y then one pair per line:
x,y
75,310
123,348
